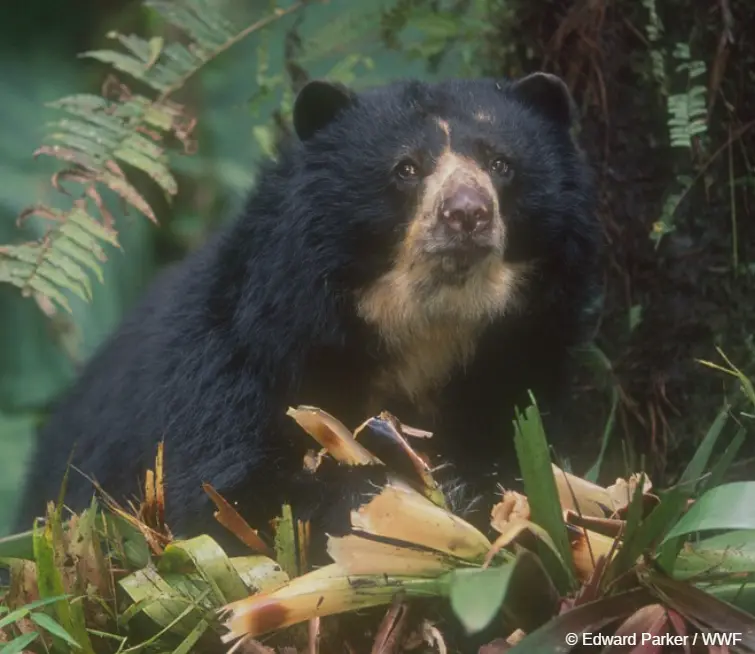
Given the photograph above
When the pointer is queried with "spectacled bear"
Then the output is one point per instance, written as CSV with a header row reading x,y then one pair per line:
x,y
427,249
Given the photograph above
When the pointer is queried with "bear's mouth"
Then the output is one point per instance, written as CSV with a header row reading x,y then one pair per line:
x,y
467,250
456,265
454,260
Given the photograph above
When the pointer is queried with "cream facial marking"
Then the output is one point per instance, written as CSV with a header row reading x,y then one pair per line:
x,y
427,338
445,128
428,325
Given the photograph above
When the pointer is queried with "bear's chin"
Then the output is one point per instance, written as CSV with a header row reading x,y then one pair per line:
x,y
470,290
459,266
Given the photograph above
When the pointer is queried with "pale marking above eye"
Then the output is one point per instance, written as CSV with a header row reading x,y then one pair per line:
x,y
445,128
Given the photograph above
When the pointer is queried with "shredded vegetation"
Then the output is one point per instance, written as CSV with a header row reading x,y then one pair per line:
x,y
570,556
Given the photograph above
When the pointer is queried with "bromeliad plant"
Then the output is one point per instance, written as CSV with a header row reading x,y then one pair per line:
x,y
570,557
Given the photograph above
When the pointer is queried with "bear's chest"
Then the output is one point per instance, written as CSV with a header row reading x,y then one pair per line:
x,y
429,330
415,366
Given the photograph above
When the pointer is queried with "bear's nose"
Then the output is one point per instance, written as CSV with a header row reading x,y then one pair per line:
x,y
467,210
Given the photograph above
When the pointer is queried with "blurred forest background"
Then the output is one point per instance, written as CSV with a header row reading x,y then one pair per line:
x,y
667,91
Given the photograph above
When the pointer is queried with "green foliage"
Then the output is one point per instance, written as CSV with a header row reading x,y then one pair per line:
x,y
446,34
192,580
745,383
100,136
176,595
646,533
687,111
603,372
537,475
654,30
177,589
476,595
39,352
713,566
42,620
522,586
50,581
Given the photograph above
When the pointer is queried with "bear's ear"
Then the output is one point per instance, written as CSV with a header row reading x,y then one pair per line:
x,y
548,95
317,104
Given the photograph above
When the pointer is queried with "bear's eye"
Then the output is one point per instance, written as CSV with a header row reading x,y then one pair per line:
x,y
407,170
499,166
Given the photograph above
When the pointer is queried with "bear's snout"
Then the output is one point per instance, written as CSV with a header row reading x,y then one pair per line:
x,y
467,211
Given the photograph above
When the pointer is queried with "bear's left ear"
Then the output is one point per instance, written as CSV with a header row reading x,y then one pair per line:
x,y
318,103
548,95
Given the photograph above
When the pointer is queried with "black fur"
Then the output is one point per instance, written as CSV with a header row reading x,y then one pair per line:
x,y
262,317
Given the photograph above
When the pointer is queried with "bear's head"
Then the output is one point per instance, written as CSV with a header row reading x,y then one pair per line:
x,y
451,195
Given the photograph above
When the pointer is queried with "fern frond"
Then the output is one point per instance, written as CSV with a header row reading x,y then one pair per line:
x,y
654,30
688,111
61,258
98,137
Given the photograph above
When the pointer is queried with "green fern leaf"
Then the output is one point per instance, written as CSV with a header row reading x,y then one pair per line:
x,y
98,133
182,60
155,169
85,258
80,221
122,62
206,27
137,46
62,279
125,190
66,266
41,286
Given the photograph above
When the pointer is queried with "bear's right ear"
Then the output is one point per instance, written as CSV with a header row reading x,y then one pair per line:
x,y
317,104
